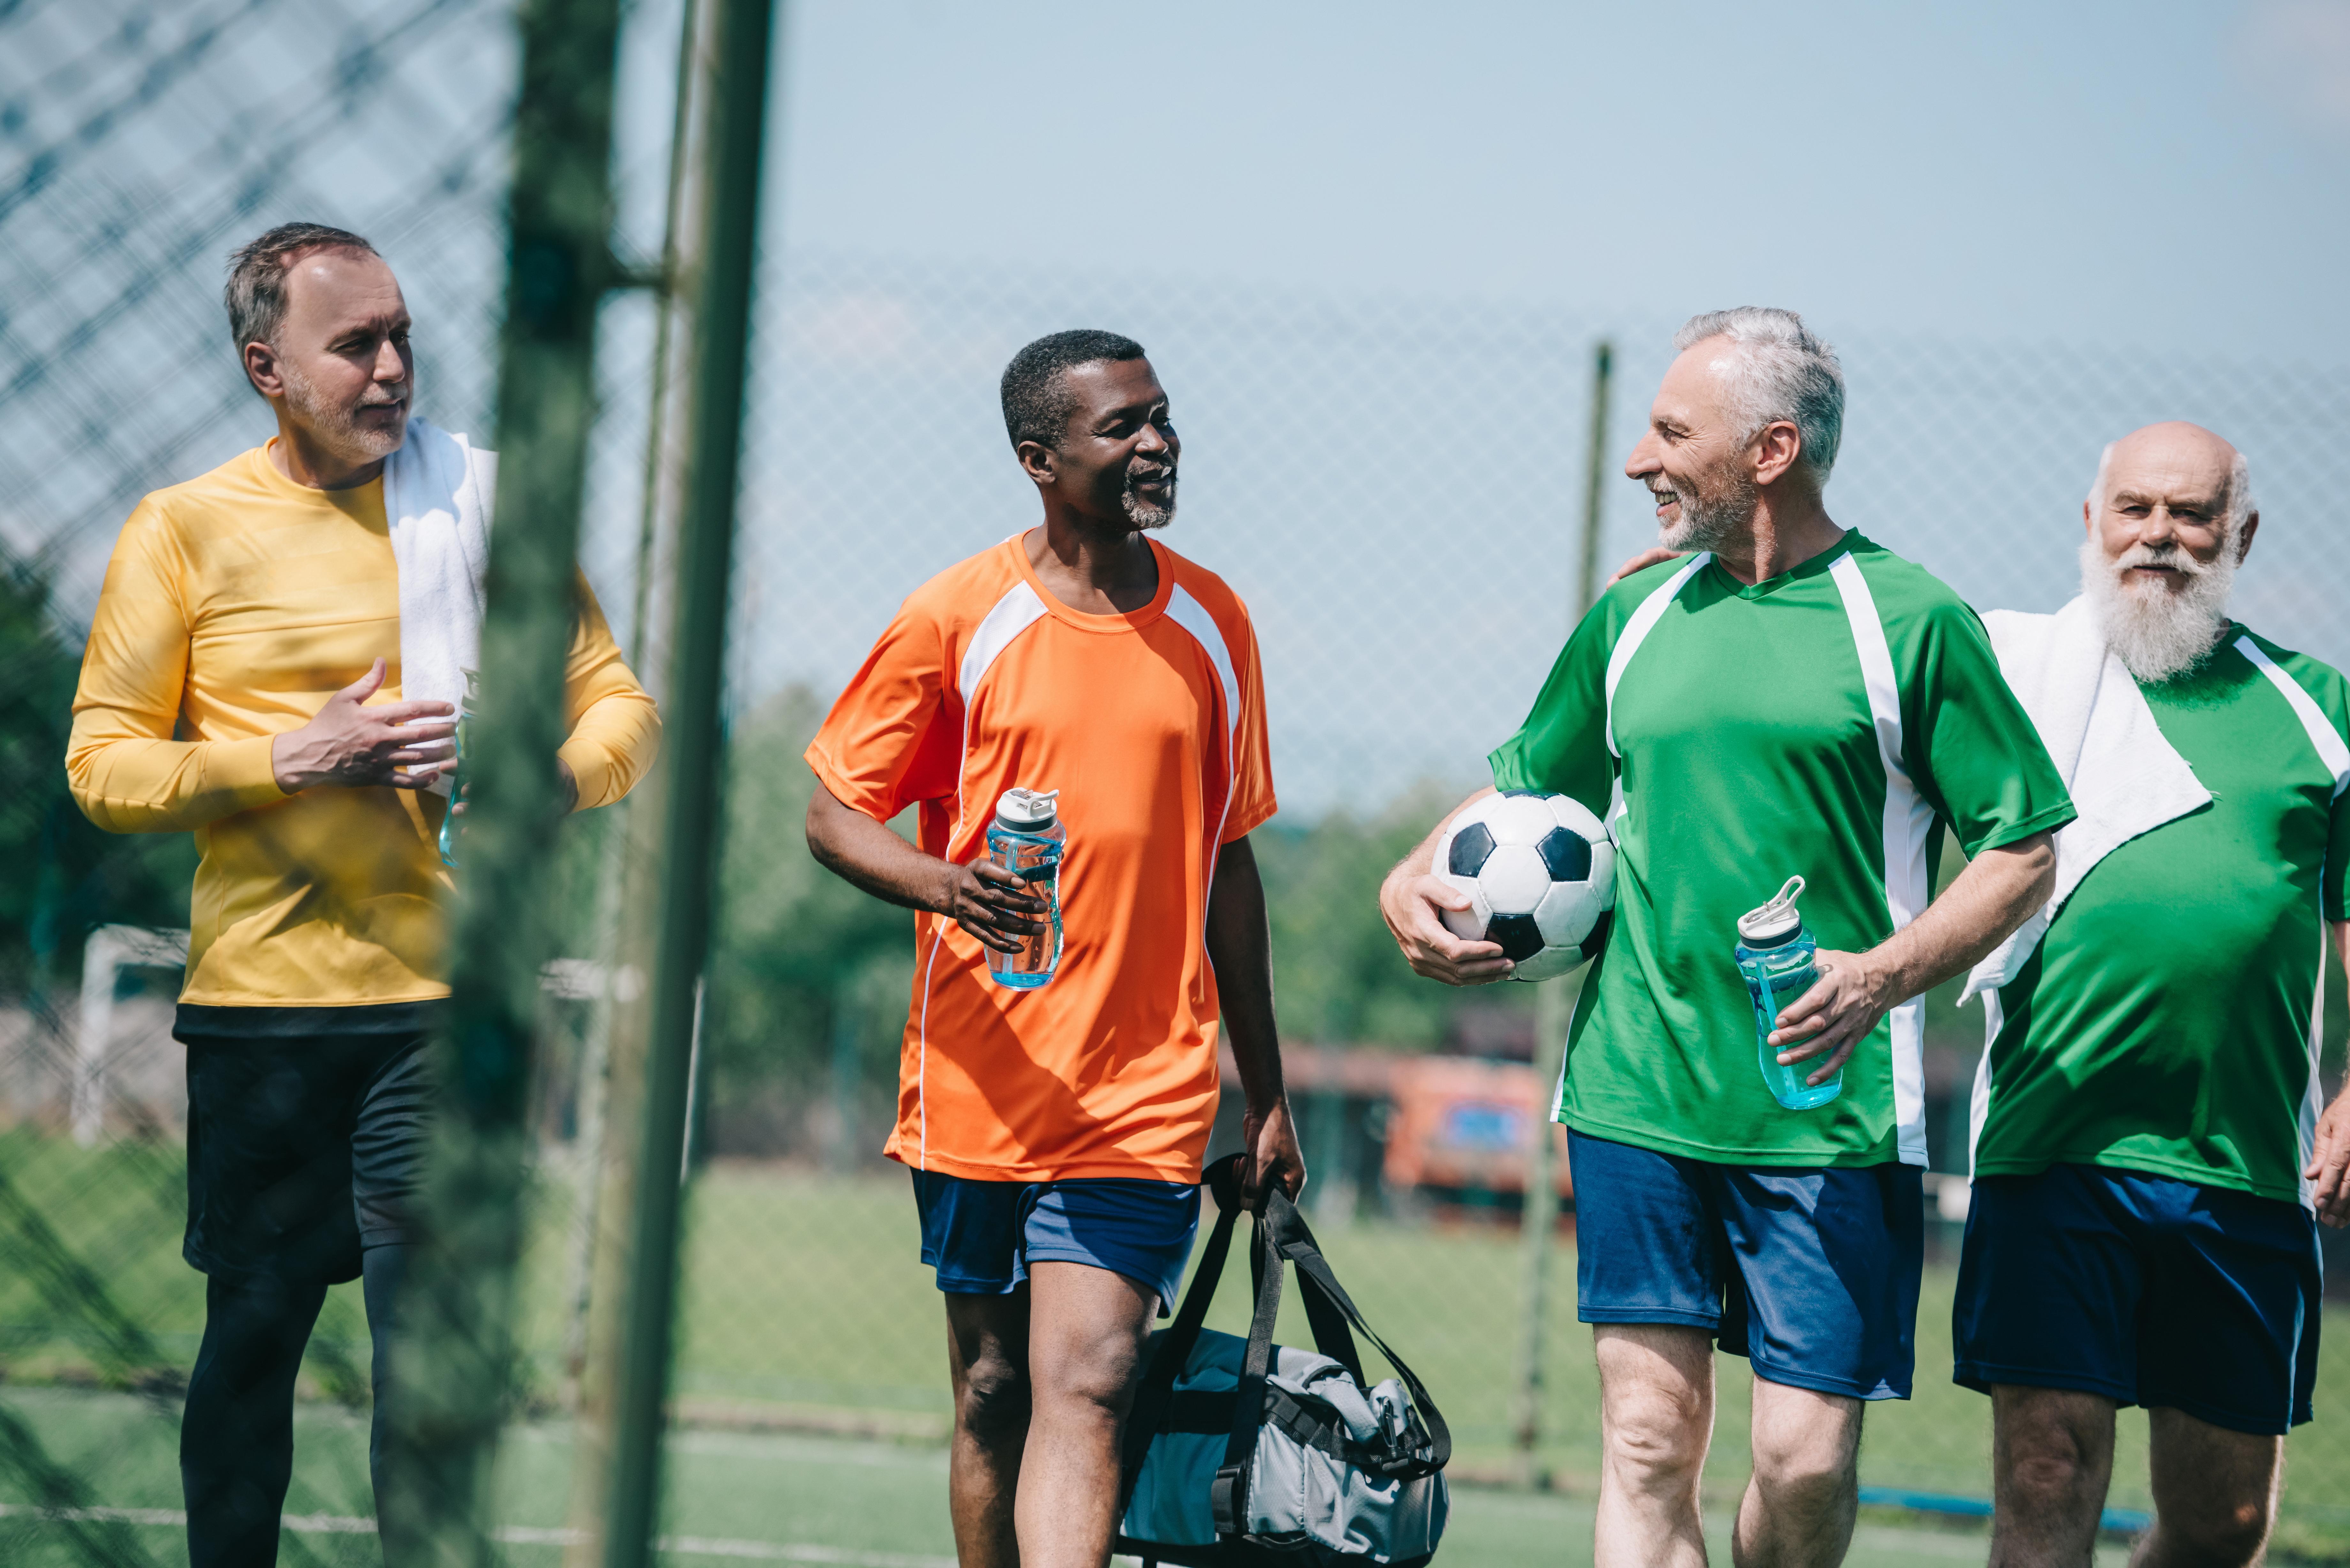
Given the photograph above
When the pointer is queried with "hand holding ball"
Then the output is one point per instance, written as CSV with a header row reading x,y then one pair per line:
x,y
1540,874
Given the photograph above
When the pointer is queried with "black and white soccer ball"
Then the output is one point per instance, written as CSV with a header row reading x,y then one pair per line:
x,y
1539,873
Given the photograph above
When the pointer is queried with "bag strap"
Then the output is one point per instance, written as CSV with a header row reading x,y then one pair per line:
x,y
1228,1494
1156,1391
1290,1238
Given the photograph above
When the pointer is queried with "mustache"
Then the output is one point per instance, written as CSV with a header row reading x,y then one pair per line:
x,y
2171,555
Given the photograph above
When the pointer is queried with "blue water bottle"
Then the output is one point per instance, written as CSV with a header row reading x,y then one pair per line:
x,y
1775,954
450,820
1027,839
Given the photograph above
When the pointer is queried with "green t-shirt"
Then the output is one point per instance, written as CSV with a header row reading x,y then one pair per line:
x,y
1819,723
2167,1022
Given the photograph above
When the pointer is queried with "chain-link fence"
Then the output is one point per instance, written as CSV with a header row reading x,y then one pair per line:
x,y
1394,486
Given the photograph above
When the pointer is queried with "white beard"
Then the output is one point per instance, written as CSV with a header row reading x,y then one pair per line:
x,y
2158,633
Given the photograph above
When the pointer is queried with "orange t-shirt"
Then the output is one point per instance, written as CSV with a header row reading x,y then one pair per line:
x,y
1152,725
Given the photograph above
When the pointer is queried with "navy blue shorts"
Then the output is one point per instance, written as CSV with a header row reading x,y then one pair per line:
x,y
983,1236
2145,1288
1809,1271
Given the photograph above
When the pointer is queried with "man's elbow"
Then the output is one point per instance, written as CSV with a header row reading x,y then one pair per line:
x,y
2035,861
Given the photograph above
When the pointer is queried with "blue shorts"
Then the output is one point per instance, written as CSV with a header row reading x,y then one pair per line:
x,y
983,1236
2145,1288
1809,1271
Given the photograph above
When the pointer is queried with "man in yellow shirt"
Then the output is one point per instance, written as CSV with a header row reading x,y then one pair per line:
x,y
243,682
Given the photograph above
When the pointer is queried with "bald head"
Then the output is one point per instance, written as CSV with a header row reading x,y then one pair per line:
x,y
2175,462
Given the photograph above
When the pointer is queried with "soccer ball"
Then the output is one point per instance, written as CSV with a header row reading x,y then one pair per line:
x,y
1539,873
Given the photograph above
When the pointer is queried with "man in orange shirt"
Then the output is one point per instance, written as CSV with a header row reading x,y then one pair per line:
x,y
1055,1133
253,678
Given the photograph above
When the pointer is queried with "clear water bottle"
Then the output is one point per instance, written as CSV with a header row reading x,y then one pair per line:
x,y
1027,839
450,820
1776,955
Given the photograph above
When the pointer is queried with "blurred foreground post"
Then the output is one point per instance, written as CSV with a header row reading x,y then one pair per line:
x,y
1553,1010
454,1375
674,830
1553,1005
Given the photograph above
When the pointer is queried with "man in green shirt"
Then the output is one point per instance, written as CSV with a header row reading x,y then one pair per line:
x,y
1792,699
2150,1160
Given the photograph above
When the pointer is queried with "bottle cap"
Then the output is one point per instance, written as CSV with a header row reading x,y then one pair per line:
x,y
1027,808
1775,921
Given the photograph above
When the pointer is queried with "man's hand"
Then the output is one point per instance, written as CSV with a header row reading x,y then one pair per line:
x,y
2328,1170
1643,561
1853,990
351,745
1271,1139
990,903
1411,900
1996,893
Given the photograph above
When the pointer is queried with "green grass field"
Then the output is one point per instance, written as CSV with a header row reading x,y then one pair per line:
x,y
804,1308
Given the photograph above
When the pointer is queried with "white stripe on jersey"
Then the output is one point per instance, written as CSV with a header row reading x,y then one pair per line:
x,y
1909,832
2331,750
1014,613
2335,755
1979,1103
1636,632
1192,616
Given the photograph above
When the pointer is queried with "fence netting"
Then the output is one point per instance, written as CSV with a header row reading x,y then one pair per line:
x,y
1394,485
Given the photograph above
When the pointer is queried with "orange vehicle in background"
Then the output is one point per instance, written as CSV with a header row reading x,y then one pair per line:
x,y
1460,1128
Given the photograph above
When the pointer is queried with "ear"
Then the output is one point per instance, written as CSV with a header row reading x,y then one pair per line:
x,y
1040,460
1776,450
261,369
2244,544
2088,519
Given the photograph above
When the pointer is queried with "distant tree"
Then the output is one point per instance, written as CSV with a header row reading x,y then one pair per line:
x,y
67,876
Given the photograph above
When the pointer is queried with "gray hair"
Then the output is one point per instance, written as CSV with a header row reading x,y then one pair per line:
x,y
1781,371
255,295
2240,504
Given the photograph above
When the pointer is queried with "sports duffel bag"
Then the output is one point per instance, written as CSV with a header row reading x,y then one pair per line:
x,y
1242,1452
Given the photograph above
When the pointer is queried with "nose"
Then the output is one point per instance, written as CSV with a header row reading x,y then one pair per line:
x,y
1646,457
1153,439
391,364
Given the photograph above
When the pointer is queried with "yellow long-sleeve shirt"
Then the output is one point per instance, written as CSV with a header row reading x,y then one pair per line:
x,y
235,606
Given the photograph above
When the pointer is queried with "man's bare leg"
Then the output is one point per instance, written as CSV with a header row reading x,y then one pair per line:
x,y
2052,1459
1798,1508
2215,1493
1656,1420
1086,1332
987,1350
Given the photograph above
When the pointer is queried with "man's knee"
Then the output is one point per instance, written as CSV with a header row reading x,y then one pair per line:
x,y
1657,1438
995,1399
2216,1531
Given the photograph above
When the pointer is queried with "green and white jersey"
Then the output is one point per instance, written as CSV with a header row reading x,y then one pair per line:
x,y
1819,724
2167,1021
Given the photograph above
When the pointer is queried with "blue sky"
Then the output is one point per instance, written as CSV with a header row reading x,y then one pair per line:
x,y
2151,176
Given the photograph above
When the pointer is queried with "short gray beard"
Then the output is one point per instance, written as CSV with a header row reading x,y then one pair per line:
x,y
335,428
1711,521
2158,633
1140,513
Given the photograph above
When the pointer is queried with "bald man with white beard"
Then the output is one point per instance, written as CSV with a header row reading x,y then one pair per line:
x,y
2150,1160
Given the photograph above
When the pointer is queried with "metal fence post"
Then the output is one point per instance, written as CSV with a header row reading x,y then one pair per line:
x,y
672,865
454,1366
1554,1009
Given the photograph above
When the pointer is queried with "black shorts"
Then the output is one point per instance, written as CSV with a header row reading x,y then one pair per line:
x,y
306,1134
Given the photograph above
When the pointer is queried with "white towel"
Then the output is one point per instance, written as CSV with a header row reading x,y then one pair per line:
x,y
437,492
2125,778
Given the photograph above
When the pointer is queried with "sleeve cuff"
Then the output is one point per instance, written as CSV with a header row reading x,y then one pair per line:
x,y
2048,821
243,772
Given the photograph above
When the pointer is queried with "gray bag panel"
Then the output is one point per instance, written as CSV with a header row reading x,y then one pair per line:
x,y
1330,1472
